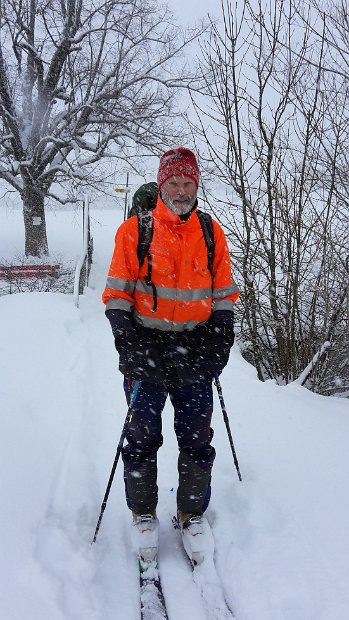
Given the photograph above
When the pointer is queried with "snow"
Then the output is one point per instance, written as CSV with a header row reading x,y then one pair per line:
x,y
282,539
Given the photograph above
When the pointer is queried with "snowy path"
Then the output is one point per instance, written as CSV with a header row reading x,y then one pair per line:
x,y
282,535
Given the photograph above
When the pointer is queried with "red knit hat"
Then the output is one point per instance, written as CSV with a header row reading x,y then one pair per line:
x,y
178,162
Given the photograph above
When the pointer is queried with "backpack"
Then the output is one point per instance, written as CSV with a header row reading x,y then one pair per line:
x,y
143,210
144,198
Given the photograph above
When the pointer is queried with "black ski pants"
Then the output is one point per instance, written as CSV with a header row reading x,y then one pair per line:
x,y
193,406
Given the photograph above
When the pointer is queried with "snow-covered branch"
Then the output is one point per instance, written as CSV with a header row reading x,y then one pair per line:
x,y
86,80
305,374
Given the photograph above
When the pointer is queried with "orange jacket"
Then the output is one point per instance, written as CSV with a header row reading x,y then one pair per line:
x,y
186,294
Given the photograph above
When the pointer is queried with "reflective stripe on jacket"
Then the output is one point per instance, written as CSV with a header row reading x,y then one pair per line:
x,y
186,295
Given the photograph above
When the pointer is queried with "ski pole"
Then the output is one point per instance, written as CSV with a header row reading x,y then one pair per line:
x,y
226,420
117,455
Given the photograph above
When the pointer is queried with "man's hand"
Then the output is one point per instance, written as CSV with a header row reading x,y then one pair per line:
x,y
139,354
215,354
220,339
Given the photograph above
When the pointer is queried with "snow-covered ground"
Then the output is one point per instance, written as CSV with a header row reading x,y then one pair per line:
x,y
282,534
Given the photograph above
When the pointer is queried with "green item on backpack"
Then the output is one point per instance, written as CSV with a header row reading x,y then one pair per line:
x,y
144,199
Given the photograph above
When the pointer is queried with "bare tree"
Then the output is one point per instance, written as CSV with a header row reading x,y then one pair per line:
x,y
80,81
282,123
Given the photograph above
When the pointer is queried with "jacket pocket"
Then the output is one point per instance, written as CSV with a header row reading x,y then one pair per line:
x,y
201,271
162,267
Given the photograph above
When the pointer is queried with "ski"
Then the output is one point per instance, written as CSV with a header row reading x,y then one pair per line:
x,y
153,606
209,585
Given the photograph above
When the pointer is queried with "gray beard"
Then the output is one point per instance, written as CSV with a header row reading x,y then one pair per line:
x,y
178,209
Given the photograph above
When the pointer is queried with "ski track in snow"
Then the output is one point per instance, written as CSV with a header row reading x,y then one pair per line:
x,y
281,535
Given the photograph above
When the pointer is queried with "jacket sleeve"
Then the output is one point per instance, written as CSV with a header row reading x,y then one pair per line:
x,y
124,268
225,291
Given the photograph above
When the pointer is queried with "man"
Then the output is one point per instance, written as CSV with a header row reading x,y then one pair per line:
x,y
173,326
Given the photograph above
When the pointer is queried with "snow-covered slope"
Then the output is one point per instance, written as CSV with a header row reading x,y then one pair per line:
x,y
282,534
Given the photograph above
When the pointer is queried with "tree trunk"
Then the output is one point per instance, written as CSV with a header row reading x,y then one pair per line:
x,y
34,222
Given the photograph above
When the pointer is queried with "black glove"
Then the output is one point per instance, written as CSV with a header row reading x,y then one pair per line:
x,y
220,338
123,328
221,324
139,355
148,362
215,354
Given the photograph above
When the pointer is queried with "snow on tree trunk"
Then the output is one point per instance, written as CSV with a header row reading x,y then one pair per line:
x,y
34,223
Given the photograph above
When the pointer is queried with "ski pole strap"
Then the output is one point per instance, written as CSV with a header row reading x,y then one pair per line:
x,y
226,420
135,392
129,413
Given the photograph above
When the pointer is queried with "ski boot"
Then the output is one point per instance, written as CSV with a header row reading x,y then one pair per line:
x,y
146,535
197,537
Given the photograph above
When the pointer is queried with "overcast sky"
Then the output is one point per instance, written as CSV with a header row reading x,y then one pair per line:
x,y
189,11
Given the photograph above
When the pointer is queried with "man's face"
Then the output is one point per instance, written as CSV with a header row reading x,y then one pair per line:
x,y
179,194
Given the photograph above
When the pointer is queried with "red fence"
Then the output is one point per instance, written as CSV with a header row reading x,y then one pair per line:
x,y
13,272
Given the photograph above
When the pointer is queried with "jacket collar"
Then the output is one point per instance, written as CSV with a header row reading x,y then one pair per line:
x,y
162,212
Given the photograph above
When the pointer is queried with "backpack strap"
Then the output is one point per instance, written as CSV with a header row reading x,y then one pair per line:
x,y
207,229
145,235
